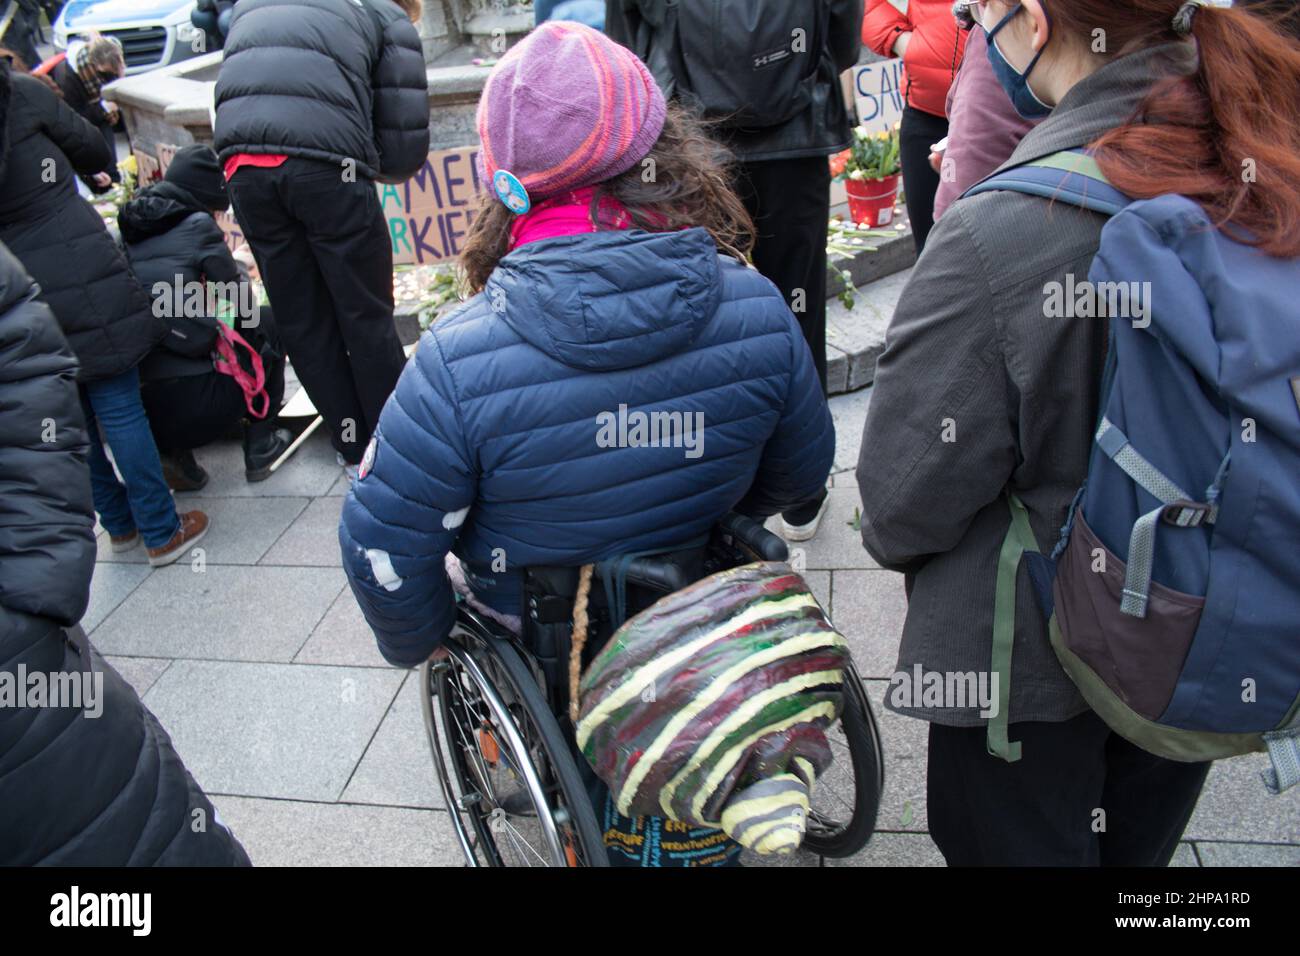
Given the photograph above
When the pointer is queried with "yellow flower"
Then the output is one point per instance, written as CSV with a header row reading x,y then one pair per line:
x,y
128,165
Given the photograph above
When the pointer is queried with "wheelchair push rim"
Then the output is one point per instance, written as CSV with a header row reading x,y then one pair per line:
x,y
509,783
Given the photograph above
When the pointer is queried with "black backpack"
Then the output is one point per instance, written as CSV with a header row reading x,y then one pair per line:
x,y
743,63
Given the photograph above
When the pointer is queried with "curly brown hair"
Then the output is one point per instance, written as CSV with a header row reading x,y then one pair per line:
x,y
685,180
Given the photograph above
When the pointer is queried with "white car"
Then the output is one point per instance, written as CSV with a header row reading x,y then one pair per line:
x,y
153,33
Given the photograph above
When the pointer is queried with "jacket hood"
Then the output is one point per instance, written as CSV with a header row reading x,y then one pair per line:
x,y
155,210
609,300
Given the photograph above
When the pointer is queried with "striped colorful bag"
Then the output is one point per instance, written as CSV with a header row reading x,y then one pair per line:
x,y
710,706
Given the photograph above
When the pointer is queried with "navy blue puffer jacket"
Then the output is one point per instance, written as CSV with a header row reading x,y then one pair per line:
x,y
512,435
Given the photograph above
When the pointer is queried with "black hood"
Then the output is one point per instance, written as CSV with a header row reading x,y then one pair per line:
x,y
4,113
156,209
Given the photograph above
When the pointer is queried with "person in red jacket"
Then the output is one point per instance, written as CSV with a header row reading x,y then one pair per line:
x,y
925,34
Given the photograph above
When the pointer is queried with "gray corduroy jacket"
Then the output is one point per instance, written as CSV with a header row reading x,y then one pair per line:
x,y
978,391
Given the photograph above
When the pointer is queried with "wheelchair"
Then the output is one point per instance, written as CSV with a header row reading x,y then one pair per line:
x,y
496,710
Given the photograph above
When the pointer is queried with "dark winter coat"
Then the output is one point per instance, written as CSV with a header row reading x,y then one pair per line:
x,y
823,128
511,435
97,784
170,238
61,240
333,80
971,349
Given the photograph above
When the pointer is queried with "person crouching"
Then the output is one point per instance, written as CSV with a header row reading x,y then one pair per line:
x,y
176,248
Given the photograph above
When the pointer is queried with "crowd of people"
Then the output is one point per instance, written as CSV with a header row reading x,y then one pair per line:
x,y
652,236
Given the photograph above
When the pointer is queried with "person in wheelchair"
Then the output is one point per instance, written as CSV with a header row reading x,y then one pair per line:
x,y
620,380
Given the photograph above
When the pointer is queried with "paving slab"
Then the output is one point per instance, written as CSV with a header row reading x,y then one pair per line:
x,y
140,672
905,741
1185,855
1248,854
312,540
291,731
311,472
225,612
1236,808
342,637
895,849
110,586
838,544
242,529
295,833
869,608
397,768
849,413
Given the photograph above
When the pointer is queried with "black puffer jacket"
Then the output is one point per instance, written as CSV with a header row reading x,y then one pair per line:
x,y
644,27
167,233
61,240
99,783
333,80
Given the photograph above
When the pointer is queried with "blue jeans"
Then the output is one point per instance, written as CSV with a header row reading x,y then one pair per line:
x,y
145,503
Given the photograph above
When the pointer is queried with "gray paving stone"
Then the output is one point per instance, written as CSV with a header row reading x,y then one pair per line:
x,y
341,486
313,539
291,731
904,739
342,637
242,528
1248,854
895,849
820,583
109,587
844,479
294,833
140,672
849,413
312,470
224,613
837,544
1236,808
1185,855
398,768
868,609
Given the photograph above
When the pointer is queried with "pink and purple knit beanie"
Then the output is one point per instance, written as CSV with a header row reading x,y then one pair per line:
x,y
565,108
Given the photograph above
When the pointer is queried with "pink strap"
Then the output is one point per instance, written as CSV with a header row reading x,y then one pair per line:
x,y
227,363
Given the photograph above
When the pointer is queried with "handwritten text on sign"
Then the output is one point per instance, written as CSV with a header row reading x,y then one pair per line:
x,y
430,214
878,90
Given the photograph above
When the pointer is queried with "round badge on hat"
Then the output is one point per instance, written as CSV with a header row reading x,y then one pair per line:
x,y
511,192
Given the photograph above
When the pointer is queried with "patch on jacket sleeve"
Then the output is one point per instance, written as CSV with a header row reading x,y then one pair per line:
x,y
454,519
368,459
381,566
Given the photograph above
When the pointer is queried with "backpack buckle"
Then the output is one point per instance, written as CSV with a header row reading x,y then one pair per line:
x,y
1188,514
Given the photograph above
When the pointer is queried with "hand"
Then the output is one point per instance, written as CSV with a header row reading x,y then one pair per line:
x,y
900,45
112,115
936,161
439,654
102,180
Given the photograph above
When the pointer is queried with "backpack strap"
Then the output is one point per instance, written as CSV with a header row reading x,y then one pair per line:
x,y
1019,540
1071,176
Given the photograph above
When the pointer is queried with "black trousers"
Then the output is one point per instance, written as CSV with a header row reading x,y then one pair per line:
x,y
789,200
323,249
918,132
1081,795
190,412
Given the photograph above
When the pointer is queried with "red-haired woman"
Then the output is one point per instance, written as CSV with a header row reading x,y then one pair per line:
x,y
983,389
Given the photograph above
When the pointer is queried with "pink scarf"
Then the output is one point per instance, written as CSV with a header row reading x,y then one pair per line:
x,y
568,214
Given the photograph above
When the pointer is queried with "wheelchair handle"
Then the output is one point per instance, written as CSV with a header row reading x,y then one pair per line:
x,y
754,537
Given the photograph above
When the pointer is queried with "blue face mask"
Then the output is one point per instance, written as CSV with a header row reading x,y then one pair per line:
x,y
1026,102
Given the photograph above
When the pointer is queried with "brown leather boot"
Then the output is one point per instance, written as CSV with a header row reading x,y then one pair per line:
x,y
194,525
124,542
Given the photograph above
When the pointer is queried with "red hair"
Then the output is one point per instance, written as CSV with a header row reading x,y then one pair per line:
x,y
1227,136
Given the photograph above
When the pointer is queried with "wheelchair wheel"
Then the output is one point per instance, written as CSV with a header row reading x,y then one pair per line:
x,y
510,782
846,798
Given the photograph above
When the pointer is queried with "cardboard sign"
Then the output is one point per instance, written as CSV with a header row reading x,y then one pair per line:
x,y
878,91
429,215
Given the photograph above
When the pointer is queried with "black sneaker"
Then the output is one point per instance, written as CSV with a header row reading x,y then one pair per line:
x,y
182,472
261,453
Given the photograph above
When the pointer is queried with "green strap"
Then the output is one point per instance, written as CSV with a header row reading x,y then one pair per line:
x,y
1019,539
1072,162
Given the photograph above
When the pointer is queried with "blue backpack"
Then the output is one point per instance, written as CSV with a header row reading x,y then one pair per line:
x,y
1173,593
